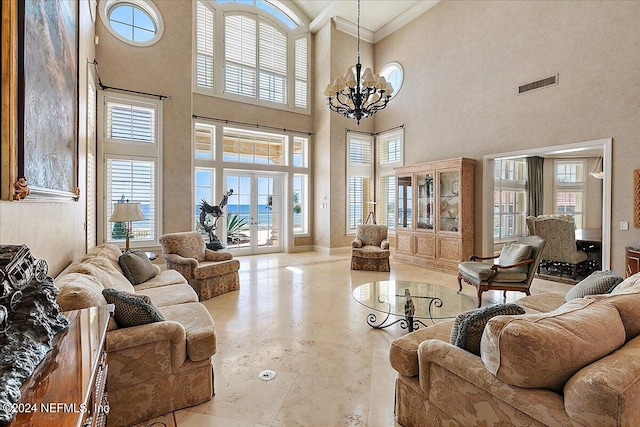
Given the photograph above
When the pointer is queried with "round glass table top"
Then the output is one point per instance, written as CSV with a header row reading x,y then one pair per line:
x,y
429,301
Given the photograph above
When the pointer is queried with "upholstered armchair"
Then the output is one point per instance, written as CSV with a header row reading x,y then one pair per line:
x,y
370,249
517,264
210,273
561,249
531,221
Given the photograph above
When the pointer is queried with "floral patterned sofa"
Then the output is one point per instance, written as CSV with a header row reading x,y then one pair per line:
x,y
574,363
157,367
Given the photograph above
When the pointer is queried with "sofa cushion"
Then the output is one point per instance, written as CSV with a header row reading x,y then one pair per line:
x,y
199,327
545,350
629,285
374,252
467,329
164,278
102,269
598,282
513,253
170,294
108,251
480,271
403,353
544,302
137,267
628,306
213,269
132,309
78,291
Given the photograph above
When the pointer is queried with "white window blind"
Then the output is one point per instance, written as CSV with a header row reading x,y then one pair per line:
x,y
359,152
133,180
130,122
386,200
301,72
390,150
240,55
359,194
273,64
204,46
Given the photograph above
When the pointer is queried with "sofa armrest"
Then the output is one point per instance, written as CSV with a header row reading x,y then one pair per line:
x,y
177,259
357,243
137,336
384,244
217,256
543,405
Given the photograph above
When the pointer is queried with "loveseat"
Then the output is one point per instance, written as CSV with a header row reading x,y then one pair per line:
x,y
562,363
157,367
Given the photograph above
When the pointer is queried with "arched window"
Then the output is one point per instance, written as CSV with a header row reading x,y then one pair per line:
x,y
253,51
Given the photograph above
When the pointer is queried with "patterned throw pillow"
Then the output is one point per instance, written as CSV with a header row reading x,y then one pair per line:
x,y
598,282
136,267
132,309
467,329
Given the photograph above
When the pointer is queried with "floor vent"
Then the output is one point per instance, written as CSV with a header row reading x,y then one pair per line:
x,y
549,81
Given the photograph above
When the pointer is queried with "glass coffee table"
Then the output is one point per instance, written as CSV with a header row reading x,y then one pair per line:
x,y
412,302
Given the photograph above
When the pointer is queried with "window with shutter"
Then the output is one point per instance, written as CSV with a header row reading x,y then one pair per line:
x,y
301,72
259,59
204,46
359,179
130,152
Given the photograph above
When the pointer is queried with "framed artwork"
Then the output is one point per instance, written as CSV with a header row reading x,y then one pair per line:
x,y
48,98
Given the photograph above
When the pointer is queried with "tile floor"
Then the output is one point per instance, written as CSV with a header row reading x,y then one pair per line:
x,y
294,314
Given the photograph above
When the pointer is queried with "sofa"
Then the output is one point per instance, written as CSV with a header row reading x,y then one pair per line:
x,y
154,368
561,363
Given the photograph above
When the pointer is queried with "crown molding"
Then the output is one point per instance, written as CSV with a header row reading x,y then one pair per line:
x,y
352,29
403,19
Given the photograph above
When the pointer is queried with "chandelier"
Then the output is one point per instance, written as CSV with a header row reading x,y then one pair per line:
x,y
360,96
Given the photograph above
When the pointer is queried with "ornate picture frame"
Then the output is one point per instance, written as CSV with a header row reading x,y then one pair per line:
x,y
43,139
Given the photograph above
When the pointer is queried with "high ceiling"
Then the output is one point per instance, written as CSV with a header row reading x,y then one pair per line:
x,y
378,18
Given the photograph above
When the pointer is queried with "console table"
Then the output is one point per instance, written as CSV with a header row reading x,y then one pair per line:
x,y
632,260
68,387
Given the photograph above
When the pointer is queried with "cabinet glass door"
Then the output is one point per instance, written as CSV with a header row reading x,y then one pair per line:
x,y
425,212
448,201
405,200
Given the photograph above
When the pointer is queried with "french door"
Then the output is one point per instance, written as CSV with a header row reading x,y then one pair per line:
x,y
253,212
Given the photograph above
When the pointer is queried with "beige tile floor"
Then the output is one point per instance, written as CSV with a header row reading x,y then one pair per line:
x,y
294,314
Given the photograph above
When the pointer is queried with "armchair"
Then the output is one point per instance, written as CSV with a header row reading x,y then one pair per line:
x,y
210,273
370,249
517,264
561,249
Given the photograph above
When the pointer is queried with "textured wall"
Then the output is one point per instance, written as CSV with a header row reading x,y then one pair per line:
x,y
464,61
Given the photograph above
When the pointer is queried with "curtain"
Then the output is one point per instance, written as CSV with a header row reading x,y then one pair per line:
x,y
534,187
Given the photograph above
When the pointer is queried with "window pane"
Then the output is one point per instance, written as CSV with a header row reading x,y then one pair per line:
x,y
204,46
300,214
204,141
252,147
300,152
359,152
359,193
134,181
386,201
130,123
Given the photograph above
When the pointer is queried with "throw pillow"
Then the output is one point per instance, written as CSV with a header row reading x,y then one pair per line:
x,y
598,282
132,309
513,253
137,267
467,329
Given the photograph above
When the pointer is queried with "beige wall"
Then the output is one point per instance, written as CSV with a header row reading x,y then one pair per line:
x,y
464,61
55,231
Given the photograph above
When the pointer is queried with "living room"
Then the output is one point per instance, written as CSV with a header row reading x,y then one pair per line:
x,y
463,63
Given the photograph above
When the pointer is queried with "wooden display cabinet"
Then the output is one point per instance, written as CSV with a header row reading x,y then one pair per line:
x,y
434,225
632,260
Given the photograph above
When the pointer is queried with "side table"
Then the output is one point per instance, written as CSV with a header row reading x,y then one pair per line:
x,y
632,260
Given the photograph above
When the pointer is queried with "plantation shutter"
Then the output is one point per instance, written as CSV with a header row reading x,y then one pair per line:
x,y
130,122
301,72
204,46
273,64
240,55
359,193
132,180
359,152
390,150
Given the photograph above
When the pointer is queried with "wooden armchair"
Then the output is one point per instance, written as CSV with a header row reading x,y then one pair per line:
x,y
517,264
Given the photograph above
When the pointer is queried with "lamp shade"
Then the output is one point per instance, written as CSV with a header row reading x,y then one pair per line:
x,y
124,212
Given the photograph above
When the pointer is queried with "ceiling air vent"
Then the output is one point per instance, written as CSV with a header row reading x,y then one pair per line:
x,y
549,81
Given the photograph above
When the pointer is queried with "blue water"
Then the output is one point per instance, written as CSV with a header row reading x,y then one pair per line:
x,y
244,211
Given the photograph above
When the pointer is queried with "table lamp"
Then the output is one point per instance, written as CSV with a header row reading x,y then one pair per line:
x,y
127,212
